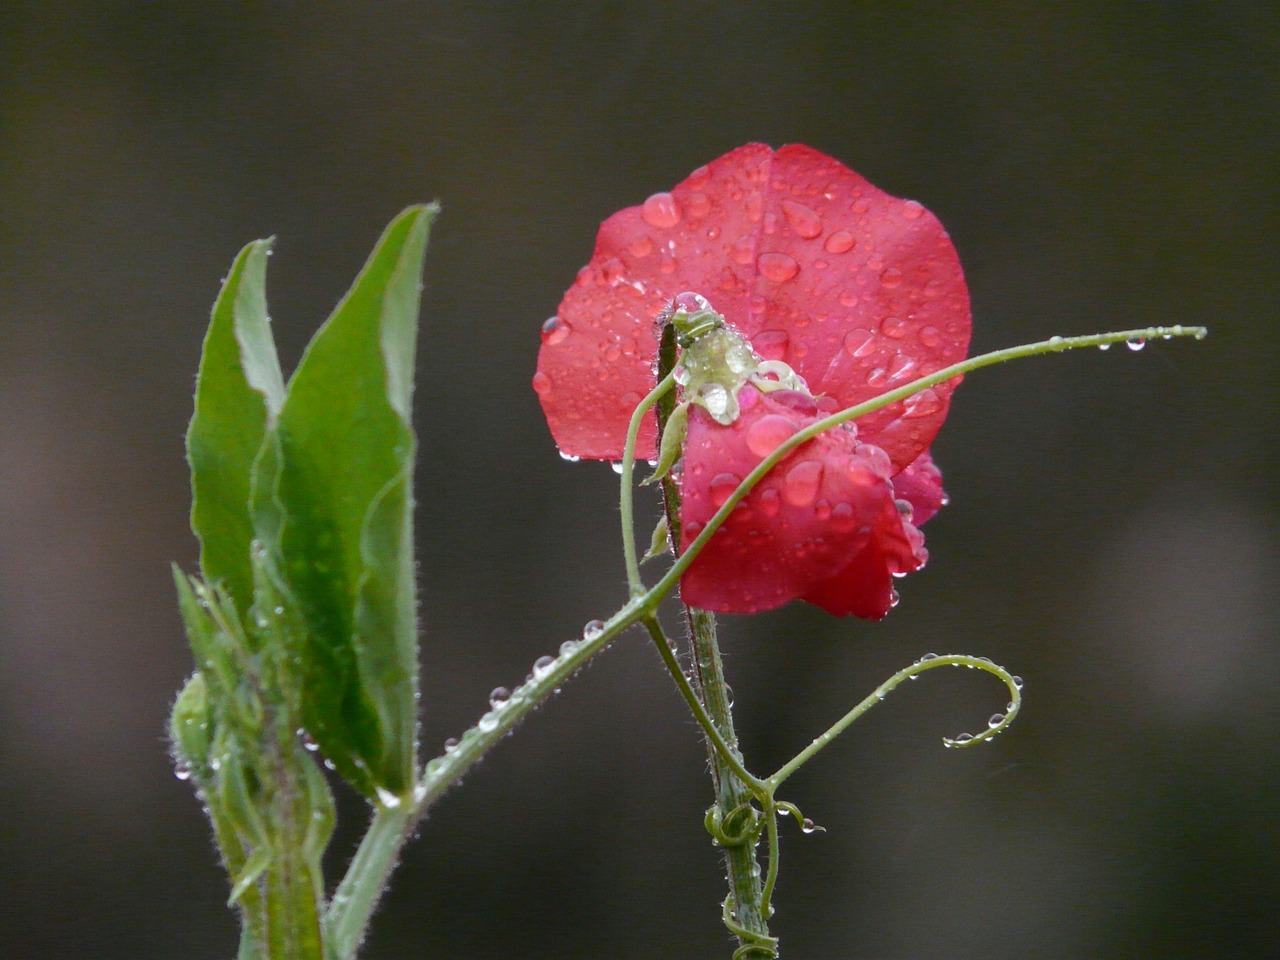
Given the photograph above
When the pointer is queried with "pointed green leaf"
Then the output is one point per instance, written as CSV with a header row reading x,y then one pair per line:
x,y
238,391
332,503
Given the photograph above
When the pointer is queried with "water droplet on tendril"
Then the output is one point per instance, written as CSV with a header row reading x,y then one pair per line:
x,y
616,466
387,798
498,697
1135,343
569,457
542,667
451,745
592,629
996,720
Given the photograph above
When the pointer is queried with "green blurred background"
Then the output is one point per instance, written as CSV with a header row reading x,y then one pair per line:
x,y
1111,537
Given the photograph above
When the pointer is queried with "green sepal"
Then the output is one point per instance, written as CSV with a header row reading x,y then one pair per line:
x,y
191,728
332,504
239,389
672,443
660,542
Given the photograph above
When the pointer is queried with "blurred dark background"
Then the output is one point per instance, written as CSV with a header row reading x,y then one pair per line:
x,y
1111,537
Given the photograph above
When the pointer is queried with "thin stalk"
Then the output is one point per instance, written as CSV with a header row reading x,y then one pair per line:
x,y
625,497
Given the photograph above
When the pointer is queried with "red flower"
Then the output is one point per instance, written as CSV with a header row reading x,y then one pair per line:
x,y
858,291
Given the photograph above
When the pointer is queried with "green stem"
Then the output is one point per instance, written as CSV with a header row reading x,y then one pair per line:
x,y
727,754
625,501
356,897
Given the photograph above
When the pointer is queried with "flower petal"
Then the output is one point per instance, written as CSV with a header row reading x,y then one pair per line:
x,y
822,526
859,291
921,486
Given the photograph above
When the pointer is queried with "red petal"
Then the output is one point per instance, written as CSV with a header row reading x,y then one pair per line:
x,y
921,486
859,291
822,526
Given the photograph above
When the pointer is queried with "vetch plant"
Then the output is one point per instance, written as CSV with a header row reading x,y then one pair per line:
x,y
776,336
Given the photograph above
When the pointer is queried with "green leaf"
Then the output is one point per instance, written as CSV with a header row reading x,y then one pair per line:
x,y
238,391
332,504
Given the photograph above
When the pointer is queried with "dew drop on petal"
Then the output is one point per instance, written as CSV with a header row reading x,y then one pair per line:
x,y
771,344
661,210
877,377
843,519
859,343
911,210
698,205
768,502
722,485
641,246
800,487
743,249
804,221
555,331
924,404
541,384
569,457
894,327
890,277
841,241
822,510
930,336
900,367
778,267
765,435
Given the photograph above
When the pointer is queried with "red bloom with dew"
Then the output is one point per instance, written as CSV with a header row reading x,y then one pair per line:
x,y
857,291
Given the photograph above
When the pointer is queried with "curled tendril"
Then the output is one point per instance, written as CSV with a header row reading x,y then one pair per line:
x,y
755,946
929,661
740,826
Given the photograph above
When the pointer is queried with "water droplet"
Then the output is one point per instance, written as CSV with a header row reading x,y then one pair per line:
x,y
698,205
996,720
927,657
542,666
771,344
766,434
182,771
498,697
682,375
616,466
768,502
738,358
804,221
894,327
1104,346
661,210
569,457
900,367
964,738
809,826
877,377
641,246
778,267
930,336
911,210
728,694
555,331
841,241
822,510
1135,343
568,648
541,384
716,399
387,798
488,723
843,518
1017,683
722,485
743,249
800,487
923,404
451,745
859,343
592,629
890,277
